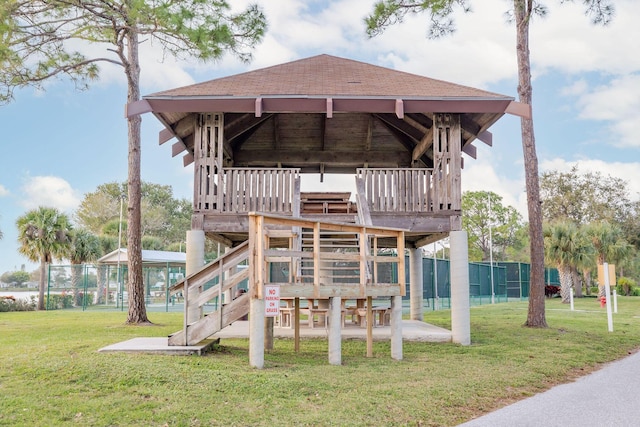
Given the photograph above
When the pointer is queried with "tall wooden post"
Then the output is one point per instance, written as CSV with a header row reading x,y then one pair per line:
x,y
447,161
370,321
415,283
208,154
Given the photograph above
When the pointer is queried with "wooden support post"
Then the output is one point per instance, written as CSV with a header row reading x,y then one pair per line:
x,y
268,327
364,271
370,321
268,333
185,327
296,330
220,282
316,260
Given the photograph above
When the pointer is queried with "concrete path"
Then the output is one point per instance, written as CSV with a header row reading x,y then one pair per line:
x,y
608,397
412,330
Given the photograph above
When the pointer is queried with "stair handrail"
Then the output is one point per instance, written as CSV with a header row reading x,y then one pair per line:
x,y
210,271
193,277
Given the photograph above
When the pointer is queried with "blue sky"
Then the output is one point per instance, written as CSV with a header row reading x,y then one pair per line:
x,y
59,144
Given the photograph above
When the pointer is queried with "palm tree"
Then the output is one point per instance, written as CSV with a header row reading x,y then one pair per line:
x,y
587,268
567,248
609,244
85,247
43,234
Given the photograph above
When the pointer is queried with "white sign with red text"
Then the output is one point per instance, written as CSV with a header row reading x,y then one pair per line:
x,y
271,300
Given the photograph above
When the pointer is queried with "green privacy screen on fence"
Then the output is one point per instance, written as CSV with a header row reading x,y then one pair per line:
x,y
86,285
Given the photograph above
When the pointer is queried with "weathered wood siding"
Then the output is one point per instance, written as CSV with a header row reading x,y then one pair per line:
x,y
208,158
398,190
447,159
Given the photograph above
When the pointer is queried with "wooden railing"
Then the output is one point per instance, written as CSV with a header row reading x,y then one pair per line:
x,y
211,282
239,190
324,259
408,190
277,191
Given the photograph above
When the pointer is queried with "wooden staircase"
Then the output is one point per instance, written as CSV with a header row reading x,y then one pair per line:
x,y
318,260
225,274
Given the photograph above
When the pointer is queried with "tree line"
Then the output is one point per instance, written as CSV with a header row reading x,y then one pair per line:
x,y
45,234
588,219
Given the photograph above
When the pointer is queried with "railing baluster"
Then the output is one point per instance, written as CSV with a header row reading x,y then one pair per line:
x,y
401,189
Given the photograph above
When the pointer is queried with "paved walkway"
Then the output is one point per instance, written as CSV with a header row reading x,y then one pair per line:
x,y
608,397
412,330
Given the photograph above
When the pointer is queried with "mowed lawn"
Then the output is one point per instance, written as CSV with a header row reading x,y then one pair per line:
x,y
51,372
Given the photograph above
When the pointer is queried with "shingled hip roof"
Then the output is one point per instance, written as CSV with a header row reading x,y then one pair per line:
x,y
326,75
324,83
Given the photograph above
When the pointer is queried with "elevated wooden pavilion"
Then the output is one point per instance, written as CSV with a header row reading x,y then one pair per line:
x,y
251,137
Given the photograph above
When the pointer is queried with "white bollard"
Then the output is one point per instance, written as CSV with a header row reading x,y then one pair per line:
x,y
571,298
607,290
615,301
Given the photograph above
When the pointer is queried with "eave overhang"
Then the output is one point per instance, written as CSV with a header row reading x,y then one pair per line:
x,y
324,104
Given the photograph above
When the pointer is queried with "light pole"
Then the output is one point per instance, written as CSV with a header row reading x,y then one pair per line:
x,y
493,294
436,302
119,290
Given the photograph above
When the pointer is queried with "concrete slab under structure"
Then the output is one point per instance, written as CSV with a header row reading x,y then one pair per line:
x,y
412,330
158,345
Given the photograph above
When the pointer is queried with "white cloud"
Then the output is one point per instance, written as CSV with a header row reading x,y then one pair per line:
x,y
628,171
49,191
617,103
566,39
481,175
577,88
480,52
3,191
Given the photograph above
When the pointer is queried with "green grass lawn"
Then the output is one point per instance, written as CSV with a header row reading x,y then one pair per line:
x,y
52,374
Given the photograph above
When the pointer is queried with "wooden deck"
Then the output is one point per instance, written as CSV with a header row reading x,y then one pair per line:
x,y
409,199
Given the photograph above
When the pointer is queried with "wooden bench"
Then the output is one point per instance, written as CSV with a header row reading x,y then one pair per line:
x,y
327,203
